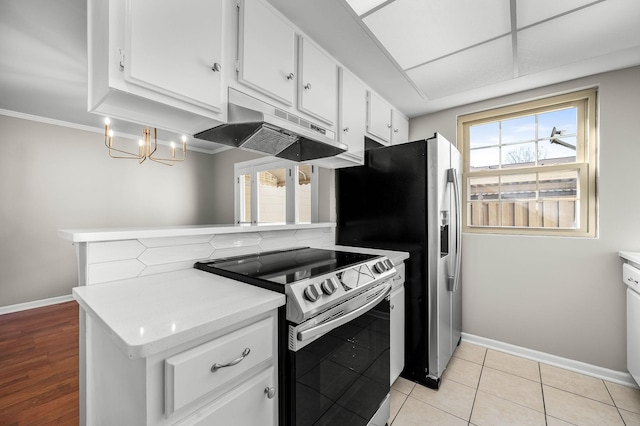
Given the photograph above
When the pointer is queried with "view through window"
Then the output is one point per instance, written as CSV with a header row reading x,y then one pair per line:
x,y
530,168
275,191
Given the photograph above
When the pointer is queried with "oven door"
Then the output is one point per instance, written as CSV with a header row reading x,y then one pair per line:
x,y
339,362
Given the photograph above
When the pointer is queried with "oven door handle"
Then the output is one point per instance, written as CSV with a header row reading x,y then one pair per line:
x,y
325,327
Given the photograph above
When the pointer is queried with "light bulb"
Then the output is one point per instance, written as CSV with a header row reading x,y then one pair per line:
x,y
173,145
110,133
107,121
140,142
184,138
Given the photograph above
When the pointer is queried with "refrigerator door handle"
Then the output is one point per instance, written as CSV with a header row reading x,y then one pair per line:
x,y
454,280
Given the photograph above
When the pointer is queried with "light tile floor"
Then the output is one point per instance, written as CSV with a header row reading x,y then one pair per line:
x,y
486,387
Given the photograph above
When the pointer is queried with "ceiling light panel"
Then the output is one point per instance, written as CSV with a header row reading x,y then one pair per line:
x,y
470,69
363,6
418,31
584,34
531,11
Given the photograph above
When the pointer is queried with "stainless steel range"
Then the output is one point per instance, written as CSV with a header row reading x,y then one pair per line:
x,y
333,332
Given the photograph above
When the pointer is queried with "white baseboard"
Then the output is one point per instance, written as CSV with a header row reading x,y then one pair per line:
x,y
35,304
618,377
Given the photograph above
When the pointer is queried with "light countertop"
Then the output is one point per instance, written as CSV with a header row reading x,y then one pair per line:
x,y
147,315
630,256
396,257
111,234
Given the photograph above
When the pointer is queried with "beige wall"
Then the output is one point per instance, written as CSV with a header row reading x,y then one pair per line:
x,y
54,177
562,296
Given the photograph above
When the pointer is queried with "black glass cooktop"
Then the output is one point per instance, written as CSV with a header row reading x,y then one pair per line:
x,y
278,268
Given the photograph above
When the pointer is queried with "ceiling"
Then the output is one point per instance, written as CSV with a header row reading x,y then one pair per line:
x,y
422,56
425,56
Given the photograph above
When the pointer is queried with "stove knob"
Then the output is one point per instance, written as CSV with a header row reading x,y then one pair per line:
x,y
328,287
389,263
311,293
380,267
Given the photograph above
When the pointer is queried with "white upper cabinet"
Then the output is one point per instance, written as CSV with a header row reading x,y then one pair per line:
x,y
176,48
317,83
267,52
378,118
400,127
158,62
353,113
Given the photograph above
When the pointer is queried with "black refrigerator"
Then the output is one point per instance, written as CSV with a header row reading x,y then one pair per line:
x,y
407,197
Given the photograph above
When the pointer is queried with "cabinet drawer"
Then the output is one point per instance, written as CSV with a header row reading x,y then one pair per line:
x,y
398,279
191,374
631,277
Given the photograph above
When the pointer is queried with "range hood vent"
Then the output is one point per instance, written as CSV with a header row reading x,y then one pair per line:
x,y
257,126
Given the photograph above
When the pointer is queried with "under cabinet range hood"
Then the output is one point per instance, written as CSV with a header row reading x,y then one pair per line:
x,y
257,126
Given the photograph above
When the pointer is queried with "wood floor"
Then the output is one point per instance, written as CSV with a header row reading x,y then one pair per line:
x,y
39,366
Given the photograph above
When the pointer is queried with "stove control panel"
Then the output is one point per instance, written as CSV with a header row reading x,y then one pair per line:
x,y
309,297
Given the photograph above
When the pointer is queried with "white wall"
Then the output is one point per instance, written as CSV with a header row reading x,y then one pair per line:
x,y
562,296
54,177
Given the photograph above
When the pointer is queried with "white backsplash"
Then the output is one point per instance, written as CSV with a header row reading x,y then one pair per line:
x,y
122,259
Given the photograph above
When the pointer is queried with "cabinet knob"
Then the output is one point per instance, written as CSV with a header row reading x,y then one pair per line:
x,y
346,129
270,392
395,130
291,76
389,125
307,86
216,67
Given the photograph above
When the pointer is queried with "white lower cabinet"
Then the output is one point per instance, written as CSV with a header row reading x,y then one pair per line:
x,y
225,377
251,403
396,353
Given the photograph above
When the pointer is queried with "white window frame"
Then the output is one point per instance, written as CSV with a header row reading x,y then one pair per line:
x,y
585,164
252,168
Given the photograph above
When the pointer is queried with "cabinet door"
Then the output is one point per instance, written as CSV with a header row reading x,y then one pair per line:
x,y
267,51
396,352
378,117
249,404
172,47
353,114
318,83
400,126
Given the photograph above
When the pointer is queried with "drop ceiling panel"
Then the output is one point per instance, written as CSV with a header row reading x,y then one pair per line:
x,y
470,69
588,33
531,11
418,31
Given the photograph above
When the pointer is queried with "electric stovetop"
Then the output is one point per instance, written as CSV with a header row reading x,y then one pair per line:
x,y
276,269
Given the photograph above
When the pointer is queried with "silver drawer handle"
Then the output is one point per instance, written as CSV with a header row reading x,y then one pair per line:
x,y
270,392
630,279
215,367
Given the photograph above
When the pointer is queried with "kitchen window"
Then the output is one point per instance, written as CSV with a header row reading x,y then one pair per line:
x,y
271,190
531,168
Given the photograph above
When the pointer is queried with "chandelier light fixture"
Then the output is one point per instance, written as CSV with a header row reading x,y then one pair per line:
x,y
146,149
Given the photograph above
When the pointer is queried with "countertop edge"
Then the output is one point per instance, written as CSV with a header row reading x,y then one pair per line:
x,y
632,257
113,234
